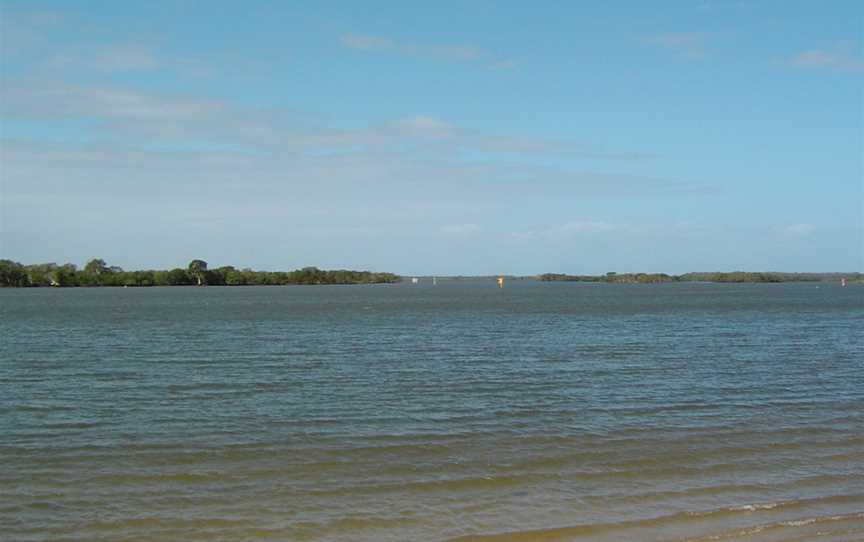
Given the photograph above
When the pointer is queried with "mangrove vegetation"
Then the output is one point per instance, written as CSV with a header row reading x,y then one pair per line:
x,y
735,276
98,273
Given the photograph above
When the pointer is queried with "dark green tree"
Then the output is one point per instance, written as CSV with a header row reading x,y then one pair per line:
x,y
13,274
198,271
64,275
95,271
96,267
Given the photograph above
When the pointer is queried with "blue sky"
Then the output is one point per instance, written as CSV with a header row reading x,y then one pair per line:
x,y
435,138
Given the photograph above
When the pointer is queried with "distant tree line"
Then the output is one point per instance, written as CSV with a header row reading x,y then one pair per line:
x,y
99,273
735,276
625,278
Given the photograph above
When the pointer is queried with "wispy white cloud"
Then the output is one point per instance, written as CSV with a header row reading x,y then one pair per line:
x,y
384,181
584,228
366,42
443,51
427,126
217,194
109,59
573,230
252,166
504,64
30,39
456,52
26,31
838,59
461,230
799,230
524,235
154,118
588,227
687,44
596,229
102,103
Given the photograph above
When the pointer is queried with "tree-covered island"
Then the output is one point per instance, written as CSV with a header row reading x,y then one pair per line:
x,y
98,273
735,276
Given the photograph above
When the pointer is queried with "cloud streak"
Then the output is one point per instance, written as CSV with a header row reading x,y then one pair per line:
x,y
222,198
100,168
689,45
158,118
366,42
226,170
576,229
461,230
839,59
109,59
799,230
441,51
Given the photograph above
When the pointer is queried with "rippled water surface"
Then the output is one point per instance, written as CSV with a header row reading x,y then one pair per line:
x,y
541,411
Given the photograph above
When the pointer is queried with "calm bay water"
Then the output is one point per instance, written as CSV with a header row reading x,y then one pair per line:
x,y
541,411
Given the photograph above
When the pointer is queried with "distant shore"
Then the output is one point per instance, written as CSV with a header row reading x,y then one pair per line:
x,y
717,276
98,273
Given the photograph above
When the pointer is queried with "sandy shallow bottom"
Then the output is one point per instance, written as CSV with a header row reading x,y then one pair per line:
x,y
749,523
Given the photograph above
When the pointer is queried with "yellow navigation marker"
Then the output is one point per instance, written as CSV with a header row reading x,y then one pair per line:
x,y
500,282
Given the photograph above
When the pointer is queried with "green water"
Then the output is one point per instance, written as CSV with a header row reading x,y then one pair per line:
x,y
411,412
